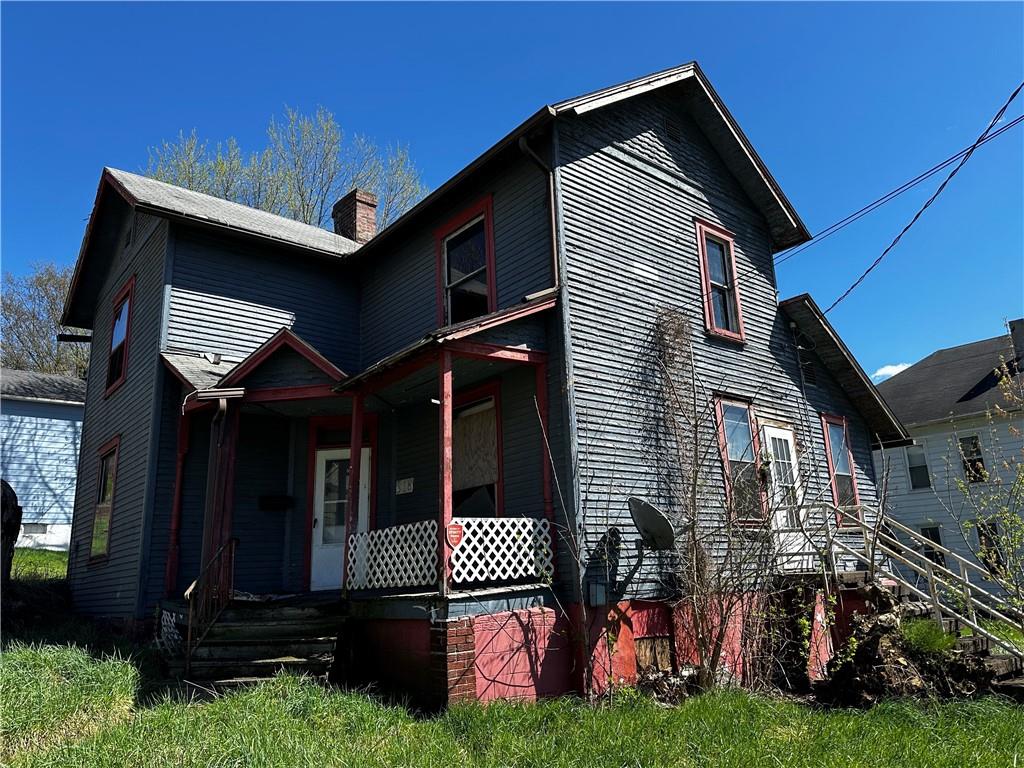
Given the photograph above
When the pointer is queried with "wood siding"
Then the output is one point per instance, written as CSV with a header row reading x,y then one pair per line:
x,y
40,443
111,586
229,296
399,288
944,504
633,177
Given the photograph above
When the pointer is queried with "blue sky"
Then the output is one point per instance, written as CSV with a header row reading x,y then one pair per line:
x,y
843,101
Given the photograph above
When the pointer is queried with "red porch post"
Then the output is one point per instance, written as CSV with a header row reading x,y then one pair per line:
x,y
541,381
355,459
445,469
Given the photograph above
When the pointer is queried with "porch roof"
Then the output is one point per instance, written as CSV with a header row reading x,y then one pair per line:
x,y
197,370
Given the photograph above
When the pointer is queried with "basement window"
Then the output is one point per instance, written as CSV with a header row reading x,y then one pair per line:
x,y
738,443
917,467
466,266
722,315
120,327
973,460
99,544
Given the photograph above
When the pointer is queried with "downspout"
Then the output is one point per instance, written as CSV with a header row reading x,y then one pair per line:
x,y
526,149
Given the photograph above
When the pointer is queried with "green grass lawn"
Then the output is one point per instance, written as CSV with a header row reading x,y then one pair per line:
x,y
38,564
68,709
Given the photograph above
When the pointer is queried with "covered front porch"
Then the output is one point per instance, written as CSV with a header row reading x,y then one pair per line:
x,y
428,474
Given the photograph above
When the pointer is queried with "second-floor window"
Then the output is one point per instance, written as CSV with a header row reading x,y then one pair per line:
x,y
973,459
917,467
117,360
722,314
738,442
466,277
840,461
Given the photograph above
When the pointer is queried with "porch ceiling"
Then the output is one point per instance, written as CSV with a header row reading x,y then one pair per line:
x,y
321,406
421,384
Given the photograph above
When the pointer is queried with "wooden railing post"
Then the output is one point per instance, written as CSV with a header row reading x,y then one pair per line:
x,y
968,604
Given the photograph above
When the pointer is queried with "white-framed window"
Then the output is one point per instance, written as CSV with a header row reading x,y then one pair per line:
x,y
917,467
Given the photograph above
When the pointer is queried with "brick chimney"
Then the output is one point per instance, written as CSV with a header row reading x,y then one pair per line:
x,y
1017,335
355,215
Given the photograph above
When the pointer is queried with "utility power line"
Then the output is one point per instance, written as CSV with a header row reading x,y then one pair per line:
x,y
892,195
929,201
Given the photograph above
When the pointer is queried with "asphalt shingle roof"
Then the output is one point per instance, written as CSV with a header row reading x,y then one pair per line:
x,y
196,205
29,385
949,383
198,370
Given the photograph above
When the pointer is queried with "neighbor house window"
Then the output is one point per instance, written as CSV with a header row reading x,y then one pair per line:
x,y
933,534
840,461
722,315
974,462
476,455
988,546
465,252
99,545
738,442
117,360
917,467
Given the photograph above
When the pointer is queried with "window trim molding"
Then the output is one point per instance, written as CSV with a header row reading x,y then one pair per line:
x,y
484,207
703,229
127,291
112,446
723,450
488,389
834,418
906,461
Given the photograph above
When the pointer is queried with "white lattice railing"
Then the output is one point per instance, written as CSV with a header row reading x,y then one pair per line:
x,y
502,549
400,556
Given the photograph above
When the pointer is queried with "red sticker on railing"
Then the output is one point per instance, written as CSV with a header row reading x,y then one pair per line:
x,y
454,534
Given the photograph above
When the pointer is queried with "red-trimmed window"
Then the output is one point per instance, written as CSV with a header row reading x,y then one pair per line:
x,y
466,285
99,544
477,482
722,314
840,461
738,441
120,329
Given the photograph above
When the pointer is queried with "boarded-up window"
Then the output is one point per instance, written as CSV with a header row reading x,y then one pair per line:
x,y
99,545
475,460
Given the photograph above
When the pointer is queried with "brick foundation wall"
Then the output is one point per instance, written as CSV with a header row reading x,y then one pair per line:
x,y
452,661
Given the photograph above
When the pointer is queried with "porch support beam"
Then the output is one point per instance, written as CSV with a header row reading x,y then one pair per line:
x,y
446,396
541,385
355,459
484,351
174,535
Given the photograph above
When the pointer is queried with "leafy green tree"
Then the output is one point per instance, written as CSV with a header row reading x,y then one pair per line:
x,y
30,322
306,165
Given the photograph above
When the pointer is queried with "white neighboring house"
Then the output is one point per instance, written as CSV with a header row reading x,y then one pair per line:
x,y
944,402
41,429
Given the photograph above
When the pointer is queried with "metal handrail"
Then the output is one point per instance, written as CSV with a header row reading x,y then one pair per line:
x,y
208,596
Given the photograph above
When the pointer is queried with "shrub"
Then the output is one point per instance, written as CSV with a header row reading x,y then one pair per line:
x,y
926,636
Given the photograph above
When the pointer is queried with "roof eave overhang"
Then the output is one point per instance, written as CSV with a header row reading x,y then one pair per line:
x,y
886,428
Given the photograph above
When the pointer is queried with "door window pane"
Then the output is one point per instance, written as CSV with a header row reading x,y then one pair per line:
x,y
784,471
335,500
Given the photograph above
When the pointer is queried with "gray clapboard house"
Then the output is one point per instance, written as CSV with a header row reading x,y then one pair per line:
x,y
967,444
40,432
402,425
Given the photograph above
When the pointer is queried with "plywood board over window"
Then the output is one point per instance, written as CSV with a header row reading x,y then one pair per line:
x,y
476,455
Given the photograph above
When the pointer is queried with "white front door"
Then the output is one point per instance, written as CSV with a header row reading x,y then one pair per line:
x,y
785,495
330,499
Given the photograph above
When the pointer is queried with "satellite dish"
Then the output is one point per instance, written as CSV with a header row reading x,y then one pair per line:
x,y
655,529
